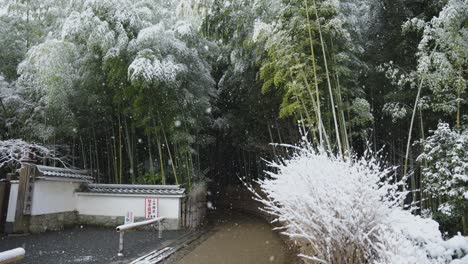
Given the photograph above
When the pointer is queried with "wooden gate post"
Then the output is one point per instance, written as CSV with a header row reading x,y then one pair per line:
x,y
27,174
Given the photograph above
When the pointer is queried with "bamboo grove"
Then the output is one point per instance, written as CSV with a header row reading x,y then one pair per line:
x,y
179,92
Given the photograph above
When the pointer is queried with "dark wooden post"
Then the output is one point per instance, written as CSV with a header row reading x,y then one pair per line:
x,y
27,174
4,198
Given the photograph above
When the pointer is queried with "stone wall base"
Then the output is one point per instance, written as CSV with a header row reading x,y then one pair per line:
x,y
52,222
59,221
9,227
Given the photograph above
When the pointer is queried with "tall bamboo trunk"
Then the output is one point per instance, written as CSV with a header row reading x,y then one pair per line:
x,y
83,155
350,132
341,118
130,151
418,95
187,165
161,160
300,100
109,153
314,69
272,141
114,157
170,156
150,156
96,155
120,152
421,189
91,159
73,150
302,125
335,120
316,108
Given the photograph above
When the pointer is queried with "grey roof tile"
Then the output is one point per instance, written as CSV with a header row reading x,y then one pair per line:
x,y
135,189
48,171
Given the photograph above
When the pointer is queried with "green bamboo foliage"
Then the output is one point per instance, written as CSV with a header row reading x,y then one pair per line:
x,y
288,67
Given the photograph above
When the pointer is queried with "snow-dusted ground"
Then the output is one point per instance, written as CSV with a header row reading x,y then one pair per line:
x,y
85,245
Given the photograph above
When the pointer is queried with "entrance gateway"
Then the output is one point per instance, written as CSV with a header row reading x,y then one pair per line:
x,y
48,198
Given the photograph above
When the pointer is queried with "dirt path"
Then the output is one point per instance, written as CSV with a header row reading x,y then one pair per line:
x,y
238,238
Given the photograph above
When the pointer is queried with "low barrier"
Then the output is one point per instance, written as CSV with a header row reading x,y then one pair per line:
x,y
122,228
11,256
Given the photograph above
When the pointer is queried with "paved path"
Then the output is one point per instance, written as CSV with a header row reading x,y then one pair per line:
x,y
86,245
238,238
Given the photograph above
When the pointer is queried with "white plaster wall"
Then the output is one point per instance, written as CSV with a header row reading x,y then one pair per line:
x,y
51,196
119,205
12,202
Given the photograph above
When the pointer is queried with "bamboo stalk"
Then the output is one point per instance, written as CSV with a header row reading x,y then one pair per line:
x,y
109,152
128,142
114,157
150,156
338,141
418,95
307,115
83,152
96,155
314,69
90,159
120,152
170,156
187,164
304,106
271,140
320,121
161,160
346,146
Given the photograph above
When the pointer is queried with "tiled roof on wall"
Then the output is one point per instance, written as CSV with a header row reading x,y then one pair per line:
x,y
136,189
55,172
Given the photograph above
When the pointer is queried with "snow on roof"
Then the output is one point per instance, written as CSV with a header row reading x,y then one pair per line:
x,y
54,172
136,189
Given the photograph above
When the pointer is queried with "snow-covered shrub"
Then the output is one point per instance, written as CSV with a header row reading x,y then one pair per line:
x,y
349,211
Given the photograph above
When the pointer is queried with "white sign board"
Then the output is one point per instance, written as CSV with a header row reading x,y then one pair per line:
x,y
129,218
151,208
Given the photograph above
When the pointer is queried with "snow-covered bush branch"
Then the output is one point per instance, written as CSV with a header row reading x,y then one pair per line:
x,y
13,151
350,212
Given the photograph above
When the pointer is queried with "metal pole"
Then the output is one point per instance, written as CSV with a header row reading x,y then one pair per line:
x,y
121,244
121,229
138,224
159,229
